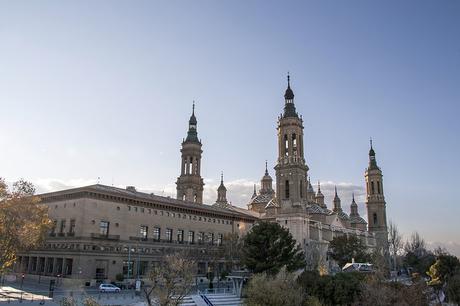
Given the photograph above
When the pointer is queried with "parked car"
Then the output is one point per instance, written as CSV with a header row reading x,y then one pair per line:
x,y
108,288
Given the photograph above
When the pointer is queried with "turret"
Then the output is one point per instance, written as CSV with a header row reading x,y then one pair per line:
x,y
189,184
375,202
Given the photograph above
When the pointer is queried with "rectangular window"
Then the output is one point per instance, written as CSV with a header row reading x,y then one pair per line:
x,y
62,228
156,233
200,237
72,226
211,238
53,228
286,189
220,238
104,228
169,233
180,236
144,232
191,237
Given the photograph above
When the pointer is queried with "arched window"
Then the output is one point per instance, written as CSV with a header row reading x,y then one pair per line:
x,y
294,144
372,188
301,189
286,189
190,164
378,187
286,145
195,197
375,218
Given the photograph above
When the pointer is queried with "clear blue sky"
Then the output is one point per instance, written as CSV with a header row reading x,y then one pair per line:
x,y
104,89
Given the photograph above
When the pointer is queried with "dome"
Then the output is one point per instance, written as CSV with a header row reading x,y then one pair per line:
x,y
289,94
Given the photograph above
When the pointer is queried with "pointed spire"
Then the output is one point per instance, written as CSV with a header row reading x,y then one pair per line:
x,y
372,160
222,178
266,168
319,187
255,193
353,207
289,107
335,188
192,135
289,94
337,205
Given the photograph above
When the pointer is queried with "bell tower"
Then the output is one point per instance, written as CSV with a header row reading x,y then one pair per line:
x,y
189,183
291,170
375,202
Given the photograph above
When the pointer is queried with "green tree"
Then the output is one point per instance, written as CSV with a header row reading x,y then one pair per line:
x,y
340,289
268,247
344,248
443,272
280,289
23,221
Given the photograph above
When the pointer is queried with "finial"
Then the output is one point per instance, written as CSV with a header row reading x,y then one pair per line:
x,y
193,108
353,196
289,79
319,186
370,140
222,177
266,168
335,187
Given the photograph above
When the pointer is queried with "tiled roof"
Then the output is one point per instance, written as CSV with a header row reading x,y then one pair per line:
x,y
357,219
149,197
262,198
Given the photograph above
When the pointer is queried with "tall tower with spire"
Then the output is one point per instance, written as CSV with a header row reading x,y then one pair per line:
x,y
189,183
375,202
221,194
291,169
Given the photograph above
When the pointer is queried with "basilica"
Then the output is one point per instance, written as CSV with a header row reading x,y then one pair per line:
x,y
102,231
294,203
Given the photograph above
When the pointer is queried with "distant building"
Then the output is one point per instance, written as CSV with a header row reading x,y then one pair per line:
x,y
101,231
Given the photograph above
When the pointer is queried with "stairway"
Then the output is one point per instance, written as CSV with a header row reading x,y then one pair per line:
x,y
224,299
188,301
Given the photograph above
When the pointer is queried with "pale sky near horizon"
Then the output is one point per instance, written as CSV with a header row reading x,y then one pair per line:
x,y
104,89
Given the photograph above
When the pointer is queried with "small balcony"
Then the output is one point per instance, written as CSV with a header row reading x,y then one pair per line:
x,y
104,236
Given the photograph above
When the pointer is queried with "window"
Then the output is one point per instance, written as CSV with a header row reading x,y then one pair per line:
x,y
301,189
375,218
220,238
180,236
144,232
104,228
191,237
169,234
378,187
294,144
53,228
156,233
200,237
372,188
72,226
211,238
286,189
62,228
286,145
